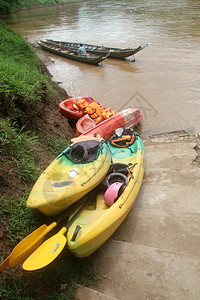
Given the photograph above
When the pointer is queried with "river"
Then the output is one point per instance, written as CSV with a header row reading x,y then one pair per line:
x,y
164,79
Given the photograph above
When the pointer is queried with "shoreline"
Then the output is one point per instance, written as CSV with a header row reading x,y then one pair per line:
x,y
44,6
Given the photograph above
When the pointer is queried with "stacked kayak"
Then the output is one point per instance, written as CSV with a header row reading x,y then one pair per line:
x,y
76,171
129,117
75,108
105,209
99,219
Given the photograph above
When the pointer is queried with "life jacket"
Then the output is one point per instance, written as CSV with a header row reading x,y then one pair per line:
x,y
107,113
82,104
124,140
94,111
75,107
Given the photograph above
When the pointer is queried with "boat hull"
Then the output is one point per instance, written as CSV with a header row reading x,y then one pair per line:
x,y
117,53
89,59
129,117
98,222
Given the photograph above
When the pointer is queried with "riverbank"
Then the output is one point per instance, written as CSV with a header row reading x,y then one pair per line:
x,y
34,4
32,134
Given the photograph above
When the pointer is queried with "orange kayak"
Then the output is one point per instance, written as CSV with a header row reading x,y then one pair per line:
x,y
66,107
129,117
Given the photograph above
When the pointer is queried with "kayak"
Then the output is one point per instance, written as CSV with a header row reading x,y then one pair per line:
x,y
129,117
107,210
67,110
75,108
76,171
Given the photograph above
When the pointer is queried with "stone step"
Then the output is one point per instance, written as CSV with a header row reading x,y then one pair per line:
x,y
154,254
171,199
168,176
166,217
137,272
85,293
174,156
177,233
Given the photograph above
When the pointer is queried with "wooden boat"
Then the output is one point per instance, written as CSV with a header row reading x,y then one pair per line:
x,y
76,171
66,107
101,50
98,221
129,117
68,52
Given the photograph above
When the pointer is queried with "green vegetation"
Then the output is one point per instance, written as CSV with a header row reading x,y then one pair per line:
x,y
57,145
19,218
18,146
56,282
22,86
8,6
24,92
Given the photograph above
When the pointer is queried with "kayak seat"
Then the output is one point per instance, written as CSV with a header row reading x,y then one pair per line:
x,y
84,151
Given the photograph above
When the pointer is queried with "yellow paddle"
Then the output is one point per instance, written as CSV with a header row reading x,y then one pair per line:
x,y
26,246
29,244
52,247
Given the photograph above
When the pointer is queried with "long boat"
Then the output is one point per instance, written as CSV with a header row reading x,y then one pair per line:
x,y
101,50
68,52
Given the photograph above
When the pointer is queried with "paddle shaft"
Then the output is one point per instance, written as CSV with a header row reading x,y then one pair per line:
x,y
52,247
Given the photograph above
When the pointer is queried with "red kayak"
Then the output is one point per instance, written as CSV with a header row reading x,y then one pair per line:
x,y
129,117
66,107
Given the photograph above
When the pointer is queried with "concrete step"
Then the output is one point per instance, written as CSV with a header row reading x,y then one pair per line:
x,y
172,199
138,272
85,293
168,176
174,156
154,254
165,217
177,233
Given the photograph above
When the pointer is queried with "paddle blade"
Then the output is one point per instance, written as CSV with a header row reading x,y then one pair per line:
x,y
29,244
47,252
5,263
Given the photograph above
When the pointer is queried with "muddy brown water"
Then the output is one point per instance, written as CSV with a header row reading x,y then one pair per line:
x,y
163,81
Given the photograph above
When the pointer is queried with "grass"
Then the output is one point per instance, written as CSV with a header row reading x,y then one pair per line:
x,y
18,146
57,145
23,87
23,92
20,220
56,282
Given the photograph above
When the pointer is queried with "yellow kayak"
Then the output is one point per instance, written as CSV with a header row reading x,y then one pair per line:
x,y
108,209
76,171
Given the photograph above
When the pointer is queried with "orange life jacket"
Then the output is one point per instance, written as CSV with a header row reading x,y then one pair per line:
x,y
75,107
94,111
82,103
122,141
107,113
